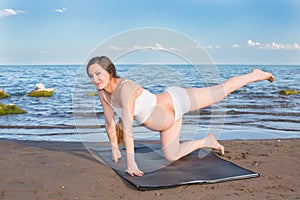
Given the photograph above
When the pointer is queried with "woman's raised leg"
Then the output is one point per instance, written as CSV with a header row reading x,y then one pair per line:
x,y
204,97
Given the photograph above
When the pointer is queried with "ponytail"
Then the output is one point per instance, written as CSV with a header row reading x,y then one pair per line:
x,y
119,132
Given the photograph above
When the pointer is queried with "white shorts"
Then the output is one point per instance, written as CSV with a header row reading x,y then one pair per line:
x,y
181,101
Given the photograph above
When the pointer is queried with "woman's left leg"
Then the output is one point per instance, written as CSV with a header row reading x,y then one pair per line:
x,y
174,150
196,98
204,97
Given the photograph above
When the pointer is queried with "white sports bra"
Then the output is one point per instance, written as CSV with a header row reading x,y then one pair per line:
x,y
144,104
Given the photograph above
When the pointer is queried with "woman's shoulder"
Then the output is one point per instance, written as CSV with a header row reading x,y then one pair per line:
x,y
128,87
128,83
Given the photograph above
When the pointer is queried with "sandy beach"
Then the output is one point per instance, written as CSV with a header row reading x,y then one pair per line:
x,y
61,170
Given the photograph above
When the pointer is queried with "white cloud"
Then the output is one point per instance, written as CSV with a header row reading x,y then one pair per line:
x,y
9,12
155,47
273,46
60,10
279,46
250,43
296,46
213,47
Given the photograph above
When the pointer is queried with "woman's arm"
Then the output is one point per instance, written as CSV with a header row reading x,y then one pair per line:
x,y
128,95
110,127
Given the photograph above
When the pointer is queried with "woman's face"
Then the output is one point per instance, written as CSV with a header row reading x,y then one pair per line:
x,y
99,76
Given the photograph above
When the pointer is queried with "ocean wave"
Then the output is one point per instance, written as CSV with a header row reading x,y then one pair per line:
x,y
52,127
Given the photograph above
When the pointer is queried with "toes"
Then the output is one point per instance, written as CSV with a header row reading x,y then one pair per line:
x,y
222,150
272,79
139,173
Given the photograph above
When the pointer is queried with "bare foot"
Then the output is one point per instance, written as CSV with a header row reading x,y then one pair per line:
x,y
262,75
211,142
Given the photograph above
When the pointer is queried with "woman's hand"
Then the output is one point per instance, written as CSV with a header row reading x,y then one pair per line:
x,y
133,170
116,155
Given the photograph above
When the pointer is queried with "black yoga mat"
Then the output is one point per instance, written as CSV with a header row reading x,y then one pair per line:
x,y
198,167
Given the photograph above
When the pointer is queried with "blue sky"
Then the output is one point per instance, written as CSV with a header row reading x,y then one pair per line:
x,y
230,31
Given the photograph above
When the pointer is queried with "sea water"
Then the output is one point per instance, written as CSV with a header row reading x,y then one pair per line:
x,y
255,111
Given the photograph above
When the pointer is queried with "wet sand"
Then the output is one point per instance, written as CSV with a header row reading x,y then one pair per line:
x,y
62,170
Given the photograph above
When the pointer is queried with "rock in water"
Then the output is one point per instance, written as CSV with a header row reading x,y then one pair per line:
x,y
41,91
10,109
91,94
288,92
3,94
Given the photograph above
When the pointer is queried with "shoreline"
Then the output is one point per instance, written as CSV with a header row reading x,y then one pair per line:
x,y
66,170
241,134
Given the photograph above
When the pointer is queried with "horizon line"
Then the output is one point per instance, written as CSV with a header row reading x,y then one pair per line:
x,y
61,64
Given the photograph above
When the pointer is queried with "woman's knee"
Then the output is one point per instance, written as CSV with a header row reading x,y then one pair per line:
x,y
170,150
171,155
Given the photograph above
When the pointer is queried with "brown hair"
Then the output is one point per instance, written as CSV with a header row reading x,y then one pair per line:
x,y
119,132
105,63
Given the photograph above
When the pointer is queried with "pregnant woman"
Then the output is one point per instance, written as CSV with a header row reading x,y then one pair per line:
x,y
158,112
